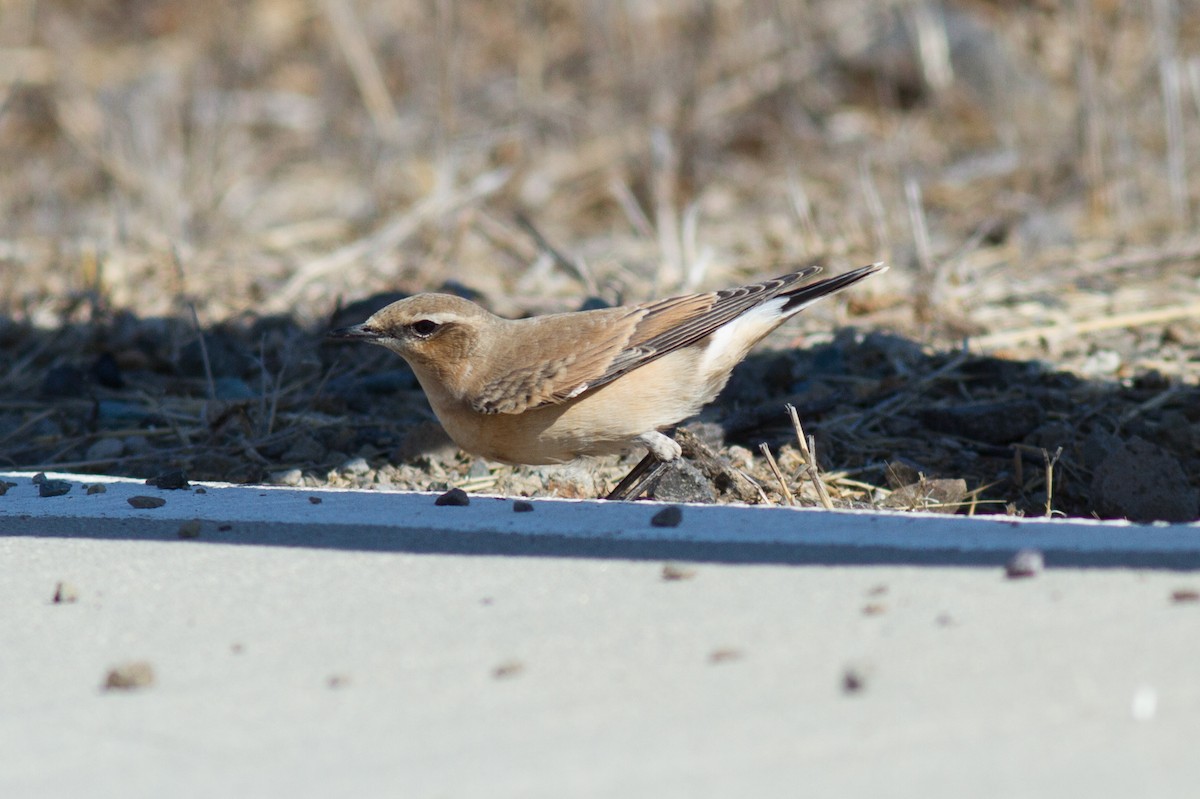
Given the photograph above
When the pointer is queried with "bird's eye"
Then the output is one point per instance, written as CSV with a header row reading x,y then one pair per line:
x,y
424,327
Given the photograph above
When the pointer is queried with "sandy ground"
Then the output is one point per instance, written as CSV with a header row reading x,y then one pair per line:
x,y
310,672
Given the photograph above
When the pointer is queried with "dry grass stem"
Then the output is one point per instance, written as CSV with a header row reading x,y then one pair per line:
x,y
783,486
807,450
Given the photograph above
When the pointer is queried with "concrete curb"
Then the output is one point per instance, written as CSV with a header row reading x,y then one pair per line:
x,y
410,522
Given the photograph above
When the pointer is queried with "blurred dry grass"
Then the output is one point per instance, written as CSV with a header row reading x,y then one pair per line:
x,y
1029,169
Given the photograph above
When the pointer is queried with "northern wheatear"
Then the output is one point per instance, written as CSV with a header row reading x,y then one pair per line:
x,y
552,388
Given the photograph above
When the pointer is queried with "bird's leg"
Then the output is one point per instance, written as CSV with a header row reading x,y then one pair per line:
x,y
650,469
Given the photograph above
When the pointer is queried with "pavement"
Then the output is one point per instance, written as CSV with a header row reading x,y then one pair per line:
x,y
296,658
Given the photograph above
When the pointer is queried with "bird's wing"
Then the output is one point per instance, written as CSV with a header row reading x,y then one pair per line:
x,y
614,342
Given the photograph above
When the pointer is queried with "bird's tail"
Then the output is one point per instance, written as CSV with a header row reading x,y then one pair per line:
x,y
804,296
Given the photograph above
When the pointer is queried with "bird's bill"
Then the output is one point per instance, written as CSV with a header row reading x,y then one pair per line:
x,y
355,333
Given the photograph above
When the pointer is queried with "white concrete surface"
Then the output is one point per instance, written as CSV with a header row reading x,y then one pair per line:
x,y
612,682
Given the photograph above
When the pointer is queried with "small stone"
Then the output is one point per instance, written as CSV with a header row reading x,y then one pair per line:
x,y
336,681
190,529
232,388
669,516
521,506
224,528
305,449
854,680
169,481
201,490
455,497
4,486
63,381
287,477
129,676
683,482
874,609
315,500
105,449
508,669
145,503
65,593
355,466
672,572
106,371
1026,563
724,655
53,488
39,478
97,488
1183,595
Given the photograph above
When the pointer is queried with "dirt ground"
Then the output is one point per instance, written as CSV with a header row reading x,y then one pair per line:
x,y
192,194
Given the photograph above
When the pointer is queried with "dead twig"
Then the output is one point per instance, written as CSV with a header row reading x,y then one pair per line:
x,y
807,449
787,494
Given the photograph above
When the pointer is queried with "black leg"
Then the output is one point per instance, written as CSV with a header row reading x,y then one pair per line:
x,y
641,478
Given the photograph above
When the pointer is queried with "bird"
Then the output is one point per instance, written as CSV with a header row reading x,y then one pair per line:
x,y
553,388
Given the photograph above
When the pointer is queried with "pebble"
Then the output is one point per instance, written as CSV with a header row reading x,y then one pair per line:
x,y
355,466
146,503
288,477
129,676
510,668
672,572
521,506
454,497
232,388
63,381
53,488
4,486
1025,563
169,481
105,449
106,371
65,593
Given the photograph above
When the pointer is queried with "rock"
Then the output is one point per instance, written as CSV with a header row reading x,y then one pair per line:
x,y
53,488
4,486
146,503
232,389
65,593
683,482
672,572
120,413
105,449
288,477
169,481
355,466
1138,481
129,676
106,371
521,506
97,488
940,495
455,497
305,449
1025,563
63,381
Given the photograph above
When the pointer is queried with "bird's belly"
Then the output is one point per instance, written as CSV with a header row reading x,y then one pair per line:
x,y
600,422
